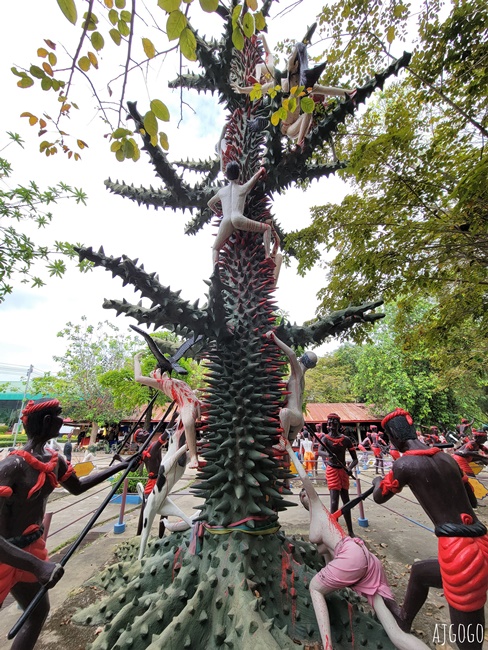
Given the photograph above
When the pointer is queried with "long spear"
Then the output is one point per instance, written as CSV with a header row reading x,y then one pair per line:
x,y
134,461
134,428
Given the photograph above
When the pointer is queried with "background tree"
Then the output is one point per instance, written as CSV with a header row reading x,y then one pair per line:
x,y
20,207
332,378
395,368
92,351
415,223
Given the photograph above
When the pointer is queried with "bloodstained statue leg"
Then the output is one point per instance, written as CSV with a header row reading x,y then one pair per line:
x,y
334,501
347,515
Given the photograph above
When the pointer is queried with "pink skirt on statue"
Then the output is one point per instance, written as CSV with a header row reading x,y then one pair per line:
x,y
355,567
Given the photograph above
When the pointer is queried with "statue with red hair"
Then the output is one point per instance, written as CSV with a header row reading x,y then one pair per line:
x,y
442,490
27,478
337,472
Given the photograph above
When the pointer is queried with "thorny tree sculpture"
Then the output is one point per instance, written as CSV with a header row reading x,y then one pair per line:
x,y
240,583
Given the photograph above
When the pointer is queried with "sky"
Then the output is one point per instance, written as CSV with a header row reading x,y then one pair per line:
x,y
31,318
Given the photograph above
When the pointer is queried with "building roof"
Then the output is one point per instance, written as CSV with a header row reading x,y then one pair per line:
x,y
348,412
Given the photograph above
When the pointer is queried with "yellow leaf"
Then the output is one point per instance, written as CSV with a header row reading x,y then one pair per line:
x,y
148,47
115,146
188,44
390,34
275,118
93,60
32,120
81,144
44,145
108,3
84,63
53,59
42,52
252,4
160,110
163,141
42,123
120,4
47,69
25,82
175,24
68,8
150,124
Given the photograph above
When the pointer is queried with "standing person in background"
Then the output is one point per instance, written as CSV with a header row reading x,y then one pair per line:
x,y
464,429
306,449
472,451
337,472
377,445
68,448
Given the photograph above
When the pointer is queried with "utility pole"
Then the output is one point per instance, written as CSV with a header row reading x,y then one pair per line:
x,y
17,426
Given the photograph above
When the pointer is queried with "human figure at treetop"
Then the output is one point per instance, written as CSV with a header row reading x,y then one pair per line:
x,y
472,451
337,472
187,403
349,563
291,415
232,198
296,125
27,478
461,568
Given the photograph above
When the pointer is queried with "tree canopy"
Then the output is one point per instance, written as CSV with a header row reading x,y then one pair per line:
x,y
414,224
395,370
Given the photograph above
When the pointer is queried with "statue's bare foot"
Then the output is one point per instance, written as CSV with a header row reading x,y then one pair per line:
x,y
193,464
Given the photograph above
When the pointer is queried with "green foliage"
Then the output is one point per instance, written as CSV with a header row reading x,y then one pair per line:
x,y
21,206
91,352
396,368
332,378
415,221
134,477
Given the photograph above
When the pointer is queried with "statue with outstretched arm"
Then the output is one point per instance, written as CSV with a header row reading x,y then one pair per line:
x,y
27,478
291,415
187,402
349,564
443,491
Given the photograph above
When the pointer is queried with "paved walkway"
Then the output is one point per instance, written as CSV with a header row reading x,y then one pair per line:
x,y
406,531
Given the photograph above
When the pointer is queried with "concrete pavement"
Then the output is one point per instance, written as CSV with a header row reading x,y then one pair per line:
x,y
406,531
